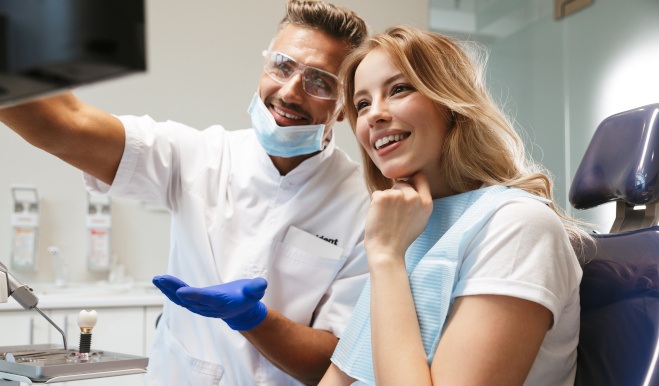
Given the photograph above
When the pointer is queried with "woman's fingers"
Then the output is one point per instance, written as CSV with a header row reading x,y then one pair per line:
x,y
420,183
398,215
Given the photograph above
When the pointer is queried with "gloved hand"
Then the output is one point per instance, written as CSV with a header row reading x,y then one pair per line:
x,y
237,302
169,285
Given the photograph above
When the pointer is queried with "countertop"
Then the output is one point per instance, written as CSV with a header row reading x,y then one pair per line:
x,y
92,295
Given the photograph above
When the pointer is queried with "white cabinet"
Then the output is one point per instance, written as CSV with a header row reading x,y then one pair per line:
x,y
23,327
151,315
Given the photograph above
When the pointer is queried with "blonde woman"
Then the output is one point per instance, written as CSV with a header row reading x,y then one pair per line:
x,y
474,279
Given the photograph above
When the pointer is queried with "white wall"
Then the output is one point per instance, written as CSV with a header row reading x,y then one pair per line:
x,y
569,75
560,78
203,64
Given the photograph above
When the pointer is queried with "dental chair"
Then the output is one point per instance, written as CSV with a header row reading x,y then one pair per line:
x,y
619,336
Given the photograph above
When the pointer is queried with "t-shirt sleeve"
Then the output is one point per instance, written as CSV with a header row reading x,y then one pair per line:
x,y
522,251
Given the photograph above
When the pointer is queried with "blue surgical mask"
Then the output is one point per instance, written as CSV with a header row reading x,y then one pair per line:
x,y
283,141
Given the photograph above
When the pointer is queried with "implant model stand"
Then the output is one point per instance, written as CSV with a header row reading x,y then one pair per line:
x,y
36,364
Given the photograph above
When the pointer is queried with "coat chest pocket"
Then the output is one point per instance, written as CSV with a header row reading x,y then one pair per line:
x,y
299,275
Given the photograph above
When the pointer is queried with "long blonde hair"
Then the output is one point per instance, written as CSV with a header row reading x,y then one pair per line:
x,y
481,145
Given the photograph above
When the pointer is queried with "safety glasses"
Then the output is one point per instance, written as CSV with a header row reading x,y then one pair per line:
x,y
315,82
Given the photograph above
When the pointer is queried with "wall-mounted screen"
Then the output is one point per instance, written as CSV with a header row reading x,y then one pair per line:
x,y
51,45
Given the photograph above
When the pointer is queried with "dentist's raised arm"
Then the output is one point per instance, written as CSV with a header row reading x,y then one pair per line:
x,y
81,135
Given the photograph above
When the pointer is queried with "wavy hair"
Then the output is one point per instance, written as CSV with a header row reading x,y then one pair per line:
x,y
481,145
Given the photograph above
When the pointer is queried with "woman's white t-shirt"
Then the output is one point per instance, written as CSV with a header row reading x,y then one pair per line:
x,y
522,251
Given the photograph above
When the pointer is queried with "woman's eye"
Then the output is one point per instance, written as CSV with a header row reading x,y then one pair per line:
x,y
400,88
360,105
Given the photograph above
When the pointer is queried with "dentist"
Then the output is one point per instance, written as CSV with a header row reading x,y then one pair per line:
x,y
276,206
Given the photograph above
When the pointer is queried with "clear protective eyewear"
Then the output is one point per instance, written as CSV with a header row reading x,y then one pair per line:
x,y
315,82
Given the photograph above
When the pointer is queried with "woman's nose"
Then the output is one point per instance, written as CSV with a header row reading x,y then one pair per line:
x,y
378,112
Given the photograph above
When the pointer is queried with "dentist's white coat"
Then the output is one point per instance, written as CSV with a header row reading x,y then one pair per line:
x,y
230,213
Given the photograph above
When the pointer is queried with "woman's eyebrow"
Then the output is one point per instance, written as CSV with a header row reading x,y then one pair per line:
x,y
392,79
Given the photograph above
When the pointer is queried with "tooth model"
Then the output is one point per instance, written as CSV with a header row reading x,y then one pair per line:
x,y
86,322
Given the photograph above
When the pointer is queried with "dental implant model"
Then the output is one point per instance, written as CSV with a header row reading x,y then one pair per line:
x,y
86,322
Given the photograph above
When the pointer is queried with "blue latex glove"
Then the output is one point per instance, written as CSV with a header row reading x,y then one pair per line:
x,y
237,302
168,285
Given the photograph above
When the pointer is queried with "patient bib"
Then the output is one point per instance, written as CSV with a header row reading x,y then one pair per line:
x,y
433,262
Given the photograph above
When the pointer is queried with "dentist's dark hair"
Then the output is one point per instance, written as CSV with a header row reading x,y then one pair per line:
x,y
338,22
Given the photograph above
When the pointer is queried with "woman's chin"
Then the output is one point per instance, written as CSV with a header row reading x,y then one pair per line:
x,y
397,173
398,176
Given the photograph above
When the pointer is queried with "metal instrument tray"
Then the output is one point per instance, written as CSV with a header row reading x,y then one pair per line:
x,y
42,363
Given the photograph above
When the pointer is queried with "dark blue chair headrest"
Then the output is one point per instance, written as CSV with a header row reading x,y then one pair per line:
x,y
621,162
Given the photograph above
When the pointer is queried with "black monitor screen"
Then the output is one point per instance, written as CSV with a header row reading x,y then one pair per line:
x,y
49,45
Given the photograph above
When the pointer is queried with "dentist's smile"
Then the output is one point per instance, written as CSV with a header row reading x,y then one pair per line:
x,y
285,114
